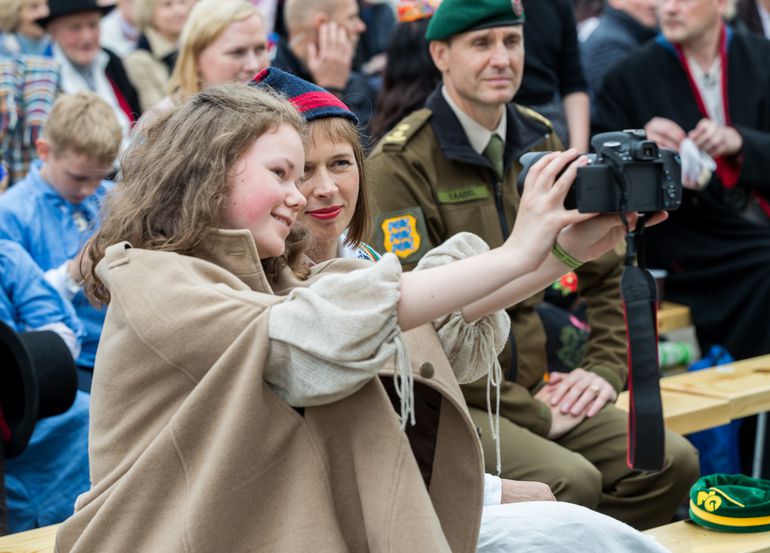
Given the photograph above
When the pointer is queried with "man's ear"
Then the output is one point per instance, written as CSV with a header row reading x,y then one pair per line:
x,y
318,19
439,51
43,148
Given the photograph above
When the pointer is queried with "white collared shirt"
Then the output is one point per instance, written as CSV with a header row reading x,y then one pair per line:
x,y
477,134
709,85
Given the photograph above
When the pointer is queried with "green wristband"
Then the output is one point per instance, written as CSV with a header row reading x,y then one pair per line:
x,y
564,257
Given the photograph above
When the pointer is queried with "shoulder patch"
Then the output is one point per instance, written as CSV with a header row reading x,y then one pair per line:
x,y
403,132
403,233
532,114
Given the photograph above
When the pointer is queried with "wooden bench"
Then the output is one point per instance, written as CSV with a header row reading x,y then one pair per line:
x,y
685,413
40,540
686,537
744,384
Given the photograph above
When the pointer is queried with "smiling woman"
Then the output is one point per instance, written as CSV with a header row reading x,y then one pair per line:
x,y
223,41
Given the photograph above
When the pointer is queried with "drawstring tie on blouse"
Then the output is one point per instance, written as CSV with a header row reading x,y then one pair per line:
x,y
495,378
403,382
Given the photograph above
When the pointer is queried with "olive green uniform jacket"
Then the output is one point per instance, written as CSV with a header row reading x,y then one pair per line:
x,y
428,184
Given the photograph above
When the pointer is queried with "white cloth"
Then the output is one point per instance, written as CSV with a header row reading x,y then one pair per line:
x,y
551,526
70,82
59,278
493,489
697,165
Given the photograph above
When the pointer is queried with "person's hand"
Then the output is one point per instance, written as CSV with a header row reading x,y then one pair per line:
x,y
541,215
76,267
517,491
561,423
665,133
579,392
716,140
331,59
589,240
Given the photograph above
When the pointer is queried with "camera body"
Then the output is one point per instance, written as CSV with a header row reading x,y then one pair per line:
x,y
627,172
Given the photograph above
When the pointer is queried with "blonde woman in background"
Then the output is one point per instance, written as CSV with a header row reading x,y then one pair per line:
x,y
223,41
20,32
150,65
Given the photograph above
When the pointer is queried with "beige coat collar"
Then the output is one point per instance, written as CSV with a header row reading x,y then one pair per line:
x,y
236,252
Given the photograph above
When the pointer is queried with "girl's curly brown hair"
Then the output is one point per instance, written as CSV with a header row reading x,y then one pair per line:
x,y
175,177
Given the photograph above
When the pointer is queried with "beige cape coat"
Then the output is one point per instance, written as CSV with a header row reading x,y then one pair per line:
x,y
191,450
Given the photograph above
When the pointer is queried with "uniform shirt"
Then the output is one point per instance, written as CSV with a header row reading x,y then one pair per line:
x,y
478,135
53,231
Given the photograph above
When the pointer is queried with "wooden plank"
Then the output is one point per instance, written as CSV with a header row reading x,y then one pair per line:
x,y
685,413
687,537
40,540
673,316
744,384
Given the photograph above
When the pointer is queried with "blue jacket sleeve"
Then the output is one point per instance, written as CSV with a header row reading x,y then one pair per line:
x,y
27,301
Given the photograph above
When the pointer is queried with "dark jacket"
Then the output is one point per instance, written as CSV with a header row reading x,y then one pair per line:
x,y
428,183
552,64
617,35
358,95
746,12
116,73
718,259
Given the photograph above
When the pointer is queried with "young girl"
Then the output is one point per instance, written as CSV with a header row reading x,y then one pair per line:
x,y
226,417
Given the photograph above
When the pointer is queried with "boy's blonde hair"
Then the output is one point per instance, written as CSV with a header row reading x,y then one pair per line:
x,y
208,19
177,176
9,15
83,124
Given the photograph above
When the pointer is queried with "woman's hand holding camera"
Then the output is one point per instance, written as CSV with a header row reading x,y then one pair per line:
x,y
542,216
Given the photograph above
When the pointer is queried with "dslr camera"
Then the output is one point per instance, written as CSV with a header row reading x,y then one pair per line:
x,y
627,172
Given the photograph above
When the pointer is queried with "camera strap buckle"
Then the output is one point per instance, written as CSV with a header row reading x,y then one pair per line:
x,y
646,435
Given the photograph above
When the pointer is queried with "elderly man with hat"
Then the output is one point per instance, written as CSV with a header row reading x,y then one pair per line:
x,y
452,167
83,64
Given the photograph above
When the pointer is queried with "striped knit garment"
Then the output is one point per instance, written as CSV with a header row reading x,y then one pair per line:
x,y
28,86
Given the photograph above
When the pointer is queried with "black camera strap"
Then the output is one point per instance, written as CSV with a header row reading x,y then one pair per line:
x,y
646,436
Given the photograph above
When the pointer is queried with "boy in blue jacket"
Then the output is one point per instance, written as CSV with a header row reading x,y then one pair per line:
x,y
55,209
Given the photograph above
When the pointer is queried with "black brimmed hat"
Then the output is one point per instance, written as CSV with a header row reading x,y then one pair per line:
x,y
59,8
38,379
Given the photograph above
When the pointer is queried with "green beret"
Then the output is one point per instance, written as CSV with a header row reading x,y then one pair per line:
x,y
459,16
731,503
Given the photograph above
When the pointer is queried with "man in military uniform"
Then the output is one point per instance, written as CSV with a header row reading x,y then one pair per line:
x,y
452,167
